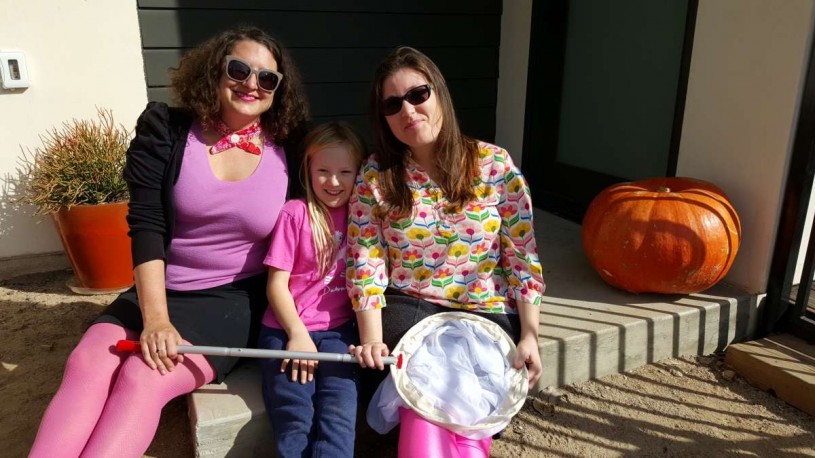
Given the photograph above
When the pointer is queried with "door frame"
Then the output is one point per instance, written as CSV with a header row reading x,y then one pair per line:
x,y
785,311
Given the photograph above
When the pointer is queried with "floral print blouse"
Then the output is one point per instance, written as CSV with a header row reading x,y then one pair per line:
x,y
482,258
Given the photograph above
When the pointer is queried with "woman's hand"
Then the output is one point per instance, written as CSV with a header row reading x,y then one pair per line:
x,y
159,339
302,367
370,354
159,342
527,352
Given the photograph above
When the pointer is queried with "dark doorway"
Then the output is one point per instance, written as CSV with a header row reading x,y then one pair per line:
x,y
605,96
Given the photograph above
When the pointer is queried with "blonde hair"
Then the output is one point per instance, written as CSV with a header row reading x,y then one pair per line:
x,y
336,133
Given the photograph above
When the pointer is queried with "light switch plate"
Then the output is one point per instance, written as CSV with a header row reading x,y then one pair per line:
x,y
13,69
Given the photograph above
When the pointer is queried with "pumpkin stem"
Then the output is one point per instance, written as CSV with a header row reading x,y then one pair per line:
x,y
663,189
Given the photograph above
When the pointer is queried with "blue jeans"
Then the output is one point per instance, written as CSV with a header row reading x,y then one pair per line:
x,y
317,418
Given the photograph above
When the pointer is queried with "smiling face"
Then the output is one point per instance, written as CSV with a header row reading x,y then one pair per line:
x,y
332,170
416,126
243,103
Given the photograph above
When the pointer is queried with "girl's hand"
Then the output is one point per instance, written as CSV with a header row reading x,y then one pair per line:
x,y
159,343
527,352
370,354
304,368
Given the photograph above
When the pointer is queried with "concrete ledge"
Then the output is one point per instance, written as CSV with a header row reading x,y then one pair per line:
x,y
30,264
588,329
781,363
228,419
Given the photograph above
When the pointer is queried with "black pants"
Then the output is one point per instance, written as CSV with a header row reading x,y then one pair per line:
x,y
224,316
402,312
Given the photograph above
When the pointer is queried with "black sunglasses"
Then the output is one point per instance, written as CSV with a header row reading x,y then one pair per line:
x,y
240,71
416,96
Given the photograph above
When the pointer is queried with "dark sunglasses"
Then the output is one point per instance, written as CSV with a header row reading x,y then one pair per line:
x,y
240,71
416,96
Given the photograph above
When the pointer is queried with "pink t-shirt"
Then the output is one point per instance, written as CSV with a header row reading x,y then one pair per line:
x,y
322,302
222,227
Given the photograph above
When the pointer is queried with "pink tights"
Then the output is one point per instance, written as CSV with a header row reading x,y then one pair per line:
x,y
109,403
419,438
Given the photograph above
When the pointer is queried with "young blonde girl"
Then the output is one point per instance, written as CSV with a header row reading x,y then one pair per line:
x,y
313,409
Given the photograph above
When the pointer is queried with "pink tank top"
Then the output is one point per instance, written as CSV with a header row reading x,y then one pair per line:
x,y
223,228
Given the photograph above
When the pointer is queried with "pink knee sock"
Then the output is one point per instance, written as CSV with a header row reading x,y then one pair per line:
x,y
420,438
118,417
75,408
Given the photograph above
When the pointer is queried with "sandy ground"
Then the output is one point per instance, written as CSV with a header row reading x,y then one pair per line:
x,y
689,406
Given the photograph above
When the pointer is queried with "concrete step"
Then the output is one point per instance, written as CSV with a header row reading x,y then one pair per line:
x,y
228,419
29,264
588,329
781,363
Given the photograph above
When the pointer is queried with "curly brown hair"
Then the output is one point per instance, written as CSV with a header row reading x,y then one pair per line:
x,y
194,83
456,154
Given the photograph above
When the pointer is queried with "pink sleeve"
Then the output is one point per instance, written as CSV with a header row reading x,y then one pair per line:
x,y
286,236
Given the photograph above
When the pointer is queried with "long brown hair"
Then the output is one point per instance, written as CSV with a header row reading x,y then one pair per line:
x,y
194,83
456,155
322,226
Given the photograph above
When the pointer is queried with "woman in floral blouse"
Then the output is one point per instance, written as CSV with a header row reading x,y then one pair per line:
x,y
438,221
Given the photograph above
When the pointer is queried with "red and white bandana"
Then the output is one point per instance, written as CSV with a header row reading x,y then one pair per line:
x,y
242,138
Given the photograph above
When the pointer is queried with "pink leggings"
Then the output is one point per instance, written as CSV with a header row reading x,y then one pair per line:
x,y
109,403
419,438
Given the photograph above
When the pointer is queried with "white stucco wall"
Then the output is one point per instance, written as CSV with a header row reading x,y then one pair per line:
x,y
744,87
513,64
81,54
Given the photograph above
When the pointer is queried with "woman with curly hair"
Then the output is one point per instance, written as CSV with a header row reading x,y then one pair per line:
x,y
207,181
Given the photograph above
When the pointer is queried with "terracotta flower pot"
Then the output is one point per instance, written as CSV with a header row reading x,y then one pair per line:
x,y
95,239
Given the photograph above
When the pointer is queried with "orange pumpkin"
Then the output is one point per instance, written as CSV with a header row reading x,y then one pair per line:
x,y
661,235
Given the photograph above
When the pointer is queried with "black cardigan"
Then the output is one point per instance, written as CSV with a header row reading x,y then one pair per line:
x,y
152,167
